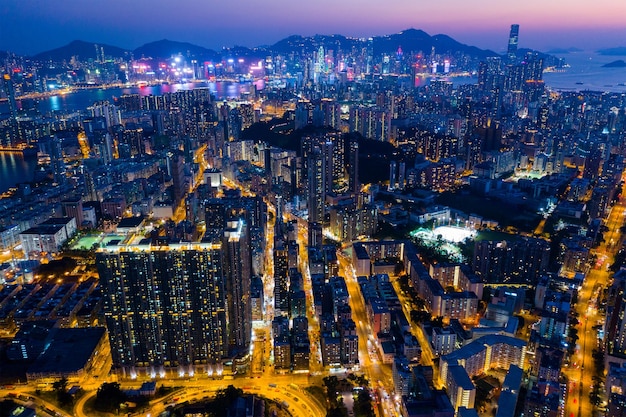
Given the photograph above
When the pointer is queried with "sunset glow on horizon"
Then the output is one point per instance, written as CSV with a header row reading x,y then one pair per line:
x,y
483,23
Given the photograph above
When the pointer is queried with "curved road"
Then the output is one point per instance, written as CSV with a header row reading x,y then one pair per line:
x,y
284,391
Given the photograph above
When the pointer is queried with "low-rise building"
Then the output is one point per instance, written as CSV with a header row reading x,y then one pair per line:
x,y
74,354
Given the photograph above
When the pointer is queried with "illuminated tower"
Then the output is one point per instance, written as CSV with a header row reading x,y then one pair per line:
x,y
512,49
353,166
281,281
238,277
392,175
164,307
316,186
10,93
176,165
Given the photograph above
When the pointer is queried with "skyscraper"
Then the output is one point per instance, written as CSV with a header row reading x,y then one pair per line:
x,y
512,49
238,276
9,90
281,280
164,306
353,166
316,186
392,176
176,166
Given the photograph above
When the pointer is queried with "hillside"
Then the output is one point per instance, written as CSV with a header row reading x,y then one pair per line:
x,y
82,50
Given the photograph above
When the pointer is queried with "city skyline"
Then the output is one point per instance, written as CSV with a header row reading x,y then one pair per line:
x,y
357,225
544,25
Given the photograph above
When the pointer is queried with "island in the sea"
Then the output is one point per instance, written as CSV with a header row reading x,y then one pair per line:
x,y
615,64
620,50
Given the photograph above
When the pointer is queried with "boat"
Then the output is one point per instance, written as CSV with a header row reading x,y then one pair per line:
x,y
579,83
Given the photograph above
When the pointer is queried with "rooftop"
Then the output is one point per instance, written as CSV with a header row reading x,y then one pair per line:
x,y
68,351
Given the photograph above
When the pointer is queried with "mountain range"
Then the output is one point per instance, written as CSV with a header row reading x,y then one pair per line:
x,y
410,40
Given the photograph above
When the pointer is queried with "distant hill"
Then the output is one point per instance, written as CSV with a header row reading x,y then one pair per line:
x,y
548,60
620,50
410,40
165,49
81,49
417,40
297,43
615,64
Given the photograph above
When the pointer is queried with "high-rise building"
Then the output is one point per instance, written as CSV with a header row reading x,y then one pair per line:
x,y
316,186
176,165
353,166
281,280
512,48
74,208
238,277
215,219
315,235
520,260
110,112
616,317
9,90
490,74
53,147
166,306
392,175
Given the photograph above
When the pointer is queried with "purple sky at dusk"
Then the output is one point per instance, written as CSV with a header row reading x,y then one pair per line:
x,y
31,26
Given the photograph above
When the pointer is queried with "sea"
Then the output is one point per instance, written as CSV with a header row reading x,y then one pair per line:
x,y
584,71
15,169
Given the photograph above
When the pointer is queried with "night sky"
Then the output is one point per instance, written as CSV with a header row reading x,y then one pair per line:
x,y
31,26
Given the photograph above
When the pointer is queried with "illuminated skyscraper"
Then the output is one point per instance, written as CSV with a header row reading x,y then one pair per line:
x,y
176,165
316,186
392,175
166,306
512,49
353,166
281,281
238,277
10,93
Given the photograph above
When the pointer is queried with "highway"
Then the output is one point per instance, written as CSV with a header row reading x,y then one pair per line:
x,y
427,357
284,389
180,212
23,395
581,368
316,365
379,374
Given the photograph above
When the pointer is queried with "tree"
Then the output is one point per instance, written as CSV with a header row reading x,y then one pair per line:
x,y
109,397
420,316
337,412
358,380
60,387
437,321
363,404
228,396
331,383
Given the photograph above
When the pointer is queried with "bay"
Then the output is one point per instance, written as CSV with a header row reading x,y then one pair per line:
x,y
15,169
586,72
